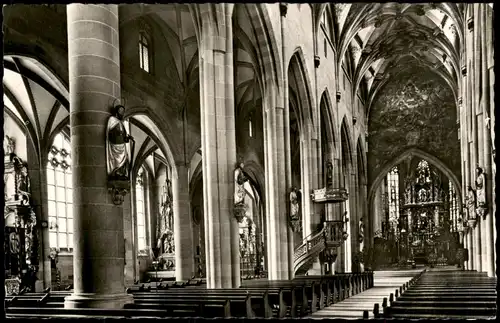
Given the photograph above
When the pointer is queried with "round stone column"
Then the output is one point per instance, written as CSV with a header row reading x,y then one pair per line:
x,y
183,231
477,246
470,247
218,145
94,86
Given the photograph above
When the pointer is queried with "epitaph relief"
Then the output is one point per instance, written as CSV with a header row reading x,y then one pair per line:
x,y
117,147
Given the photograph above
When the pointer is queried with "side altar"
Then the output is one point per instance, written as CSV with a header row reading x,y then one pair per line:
x,y
21,241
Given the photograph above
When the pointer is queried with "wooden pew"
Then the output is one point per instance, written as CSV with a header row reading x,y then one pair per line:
x,y
35,299
280,298
204,305
339,286
259,304
240,300
302,293
83,312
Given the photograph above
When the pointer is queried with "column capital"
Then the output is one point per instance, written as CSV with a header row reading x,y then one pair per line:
x,y
283,8
464,70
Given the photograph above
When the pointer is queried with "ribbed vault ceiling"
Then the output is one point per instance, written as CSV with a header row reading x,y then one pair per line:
x,y
383,38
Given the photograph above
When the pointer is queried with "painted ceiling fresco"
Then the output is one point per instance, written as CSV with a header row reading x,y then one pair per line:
x,y
416,109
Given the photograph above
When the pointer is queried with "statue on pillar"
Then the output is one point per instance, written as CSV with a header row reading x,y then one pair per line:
x,y
329,174
240,178
361,230
481,192
239,192
295,218
117,141
471,203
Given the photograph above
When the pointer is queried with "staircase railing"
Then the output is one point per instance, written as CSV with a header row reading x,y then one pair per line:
x,y
331,236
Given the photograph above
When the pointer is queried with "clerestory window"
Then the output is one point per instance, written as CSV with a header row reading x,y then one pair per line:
x,y
144,52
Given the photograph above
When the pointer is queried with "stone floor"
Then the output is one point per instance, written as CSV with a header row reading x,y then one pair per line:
x,y
385,282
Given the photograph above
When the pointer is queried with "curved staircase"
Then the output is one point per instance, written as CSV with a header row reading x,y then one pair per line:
x,y
328,239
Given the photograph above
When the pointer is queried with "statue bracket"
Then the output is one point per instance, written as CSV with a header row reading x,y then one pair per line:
x,y
482,212
118,189
240,211
295,224
330,254
472,223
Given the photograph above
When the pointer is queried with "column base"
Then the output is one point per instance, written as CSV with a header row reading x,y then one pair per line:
x,y
39,286
93,300
315,268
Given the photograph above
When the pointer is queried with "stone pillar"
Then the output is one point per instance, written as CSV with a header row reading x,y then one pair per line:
x,y
338,212
130,253
218,144
489,258
183,229
283,198
354,211
477,246
464,239
277,193
470,246
288,169
94,85
273,253
306,184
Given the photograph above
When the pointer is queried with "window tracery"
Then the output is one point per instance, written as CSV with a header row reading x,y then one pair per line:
x,y
60,194
144,52
140,210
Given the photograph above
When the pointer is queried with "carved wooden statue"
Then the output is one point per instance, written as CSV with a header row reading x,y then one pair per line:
x,y
117,141
480,190
329,174
165,218
471,203
295,216
239,190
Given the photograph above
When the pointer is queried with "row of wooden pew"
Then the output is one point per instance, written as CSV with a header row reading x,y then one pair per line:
x,y
255,298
